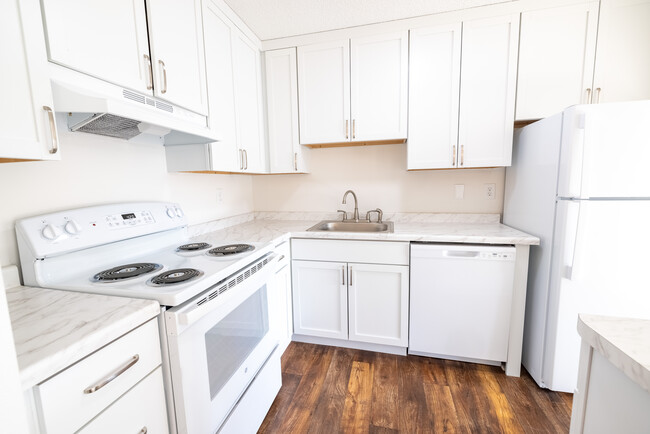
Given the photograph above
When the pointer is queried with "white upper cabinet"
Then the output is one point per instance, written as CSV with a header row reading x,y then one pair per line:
x,y
324,92
353,90
434,91
176,41
110,41
107,40
487,91
557,48
285,153
379,86
27,124
622,70
248,103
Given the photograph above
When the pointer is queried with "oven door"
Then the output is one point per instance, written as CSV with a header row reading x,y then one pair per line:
x,y
217,346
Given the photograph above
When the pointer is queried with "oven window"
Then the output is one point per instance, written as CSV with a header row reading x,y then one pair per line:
x,y
229,343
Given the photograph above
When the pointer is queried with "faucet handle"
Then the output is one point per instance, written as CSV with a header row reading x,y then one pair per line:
x,y
345,214
379,212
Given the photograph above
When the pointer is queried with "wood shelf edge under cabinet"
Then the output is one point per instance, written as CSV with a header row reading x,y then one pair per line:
x,y
523,122
361,143
15,160
455,168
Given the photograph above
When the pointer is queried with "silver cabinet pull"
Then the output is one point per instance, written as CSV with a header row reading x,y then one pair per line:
x,y
113,376
143,430
588,92
462,154
164,74
347,122
453,158
295,161
53,132
597,95
354,129
147,59
350,277
343,275
245,159
241,160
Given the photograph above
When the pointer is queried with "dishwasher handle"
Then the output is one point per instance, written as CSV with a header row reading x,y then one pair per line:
x,y
461,253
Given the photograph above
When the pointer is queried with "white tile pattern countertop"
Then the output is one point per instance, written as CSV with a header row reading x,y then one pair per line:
x,y
54,329
625,342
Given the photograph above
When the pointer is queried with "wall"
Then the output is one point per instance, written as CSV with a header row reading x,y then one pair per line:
x,y
97,170
378,176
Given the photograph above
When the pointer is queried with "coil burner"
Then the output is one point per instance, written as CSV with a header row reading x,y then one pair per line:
x,y
124,272
230,250
193,247
176,276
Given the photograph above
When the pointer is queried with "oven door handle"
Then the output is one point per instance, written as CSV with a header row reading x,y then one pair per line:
x,y
203,305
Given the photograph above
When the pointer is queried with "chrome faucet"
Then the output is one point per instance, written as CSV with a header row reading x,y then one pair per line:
x,y
355,217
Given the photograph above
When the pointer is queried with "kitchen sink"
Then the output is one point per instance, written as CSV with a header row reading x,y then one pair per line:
x,y
351,226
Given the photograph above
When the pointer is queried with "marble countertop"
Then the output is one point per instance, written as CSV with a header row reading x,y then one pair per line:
x,y
54,329
625,342
277,230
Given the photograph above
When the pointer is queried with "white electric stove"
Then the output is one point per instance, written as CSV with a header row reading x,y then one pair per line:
x,y
216,341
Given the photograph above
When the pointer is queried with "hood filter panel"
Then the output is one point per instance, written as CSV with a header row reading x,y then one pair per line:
x,y
106,124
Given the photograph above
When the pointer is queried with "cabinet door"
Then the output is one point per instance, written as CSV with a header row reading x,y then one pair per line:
x,y
556,59
246,67
107,40
320,302
224,154
27,124
434,86
282,111
379,303
623,51
324,92
176,41
487,91
379,86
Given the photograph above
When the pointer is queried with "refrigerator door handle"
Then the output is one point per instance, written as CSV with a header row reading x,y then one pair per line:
x,y
574,218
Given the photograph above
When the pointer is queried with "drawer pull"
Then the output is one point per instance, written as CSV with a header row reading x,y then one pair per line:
x,y
143,430
113,376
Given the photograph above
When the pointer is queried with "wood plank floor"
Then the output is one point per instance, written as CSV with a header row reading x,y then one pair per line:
x,y
338,390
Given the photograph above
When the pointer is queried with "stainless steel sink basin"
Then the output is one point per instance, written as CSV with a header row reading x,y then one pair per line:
x,y
351,226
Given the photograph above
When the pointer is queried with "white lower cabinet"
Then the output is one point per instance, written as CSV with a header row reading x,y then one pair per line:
x,y
356,301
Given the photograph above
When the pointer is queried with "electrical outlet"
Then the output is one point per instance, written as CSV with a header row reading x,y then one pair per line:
x,y
219,195
490,191
459,190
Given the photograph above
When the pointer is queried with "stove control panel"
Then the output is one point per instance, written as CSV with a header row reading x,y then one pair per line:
x,y
139,218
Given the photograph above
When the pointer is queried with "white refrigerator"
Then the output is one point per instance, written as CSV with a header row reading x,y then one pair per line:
x,y
580,181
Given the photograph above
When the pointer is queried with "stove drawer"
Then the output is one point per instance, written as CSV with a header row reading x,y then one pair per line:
x,y
77,394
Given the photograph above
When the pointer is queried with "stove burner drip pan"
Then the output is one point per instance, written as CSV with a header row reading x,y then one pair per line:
x,y
230,249
124,272
192,247
174,277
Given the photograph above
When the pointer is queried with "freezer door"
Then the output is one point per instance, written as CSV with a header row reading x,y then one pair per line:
x,y
599,266
605,151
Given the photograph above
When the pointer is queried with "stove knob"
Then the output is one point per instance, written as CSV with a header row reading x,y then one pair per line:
x,y
72,227
51,232
179,212
171,213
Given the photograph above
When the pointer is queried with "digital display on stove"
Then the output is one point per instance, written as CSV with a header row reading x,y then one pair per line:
x,y
128,216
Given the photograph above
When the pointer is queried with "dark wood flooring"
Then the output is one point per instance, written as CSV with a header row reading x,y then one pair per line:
x,y
338,390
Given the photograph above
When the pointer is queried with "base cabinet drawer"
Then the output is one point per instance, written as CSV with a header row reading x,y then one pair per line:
x,y
73,397
140,411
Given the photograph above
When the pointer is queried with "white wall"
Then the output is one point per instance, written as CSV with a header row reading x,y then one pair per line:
x,y
378,176
96,170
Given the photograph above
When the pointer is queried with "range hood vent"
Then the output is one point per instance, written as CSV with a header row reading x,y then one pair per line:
x,y
109,125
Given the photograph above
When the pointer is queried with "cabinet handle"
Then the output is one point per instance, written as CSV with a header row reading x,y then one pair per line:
x,y
354,129
350,276
588,92
347,122
453,158
143,430
295,161
149,72
241,160
462,154
245,159
164,74
53,132
343,275
597,95
114,375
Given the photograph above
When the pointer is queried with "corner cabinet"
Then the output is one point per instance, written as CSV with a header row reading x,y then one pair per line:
x,y
27,123
351,290
353,90
462,94
286,155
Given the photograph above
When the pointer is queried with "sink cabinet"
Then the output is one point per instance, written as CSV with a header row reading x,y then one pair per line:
x,y
351,290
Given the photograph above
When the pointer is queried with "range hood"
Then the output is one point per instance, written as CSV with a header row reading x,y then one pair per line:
x,y
96,107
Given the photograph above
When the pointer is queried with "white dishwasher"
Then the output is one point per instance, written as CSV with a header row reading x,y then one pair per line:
x,y
461,296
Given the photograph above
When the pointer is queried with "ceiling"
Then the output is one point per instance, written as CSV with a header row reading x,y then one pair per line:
x,y
271,19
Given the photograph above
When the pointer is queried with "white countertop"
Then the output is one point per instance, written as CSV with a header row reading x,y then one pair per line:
x,y
54,329
625,342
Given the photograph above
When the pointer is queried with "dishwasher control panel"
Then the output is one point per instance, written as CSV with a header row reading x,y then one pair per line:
x,y
498,256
